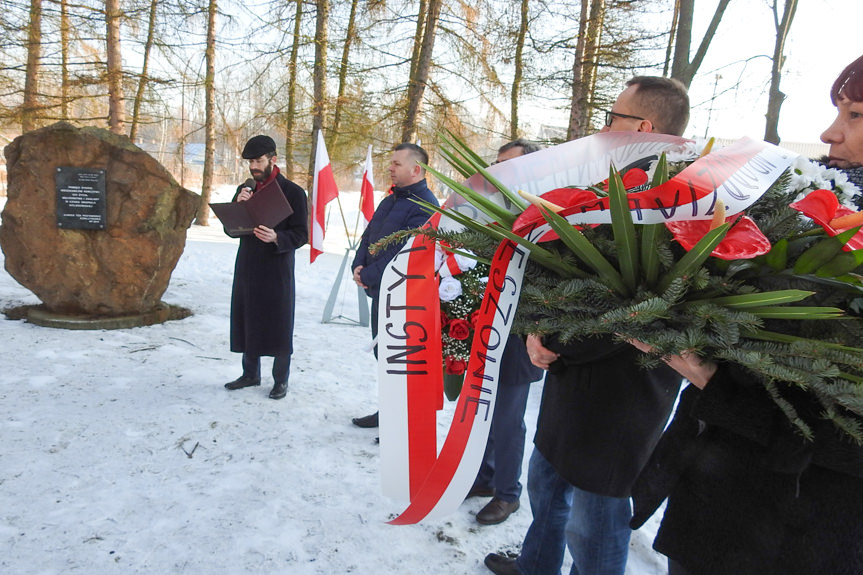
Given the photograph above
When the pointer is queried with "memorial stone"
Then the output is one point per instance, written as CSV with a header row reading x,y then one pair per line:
x,y
93,225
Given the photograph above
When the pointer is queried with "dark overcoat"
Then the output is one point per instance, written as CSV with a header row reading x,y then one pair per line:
x,y
262,300
747,495
602,414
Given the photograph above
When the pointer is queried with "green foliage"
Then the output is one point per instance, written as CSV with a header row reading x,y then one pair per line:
x,y
771,315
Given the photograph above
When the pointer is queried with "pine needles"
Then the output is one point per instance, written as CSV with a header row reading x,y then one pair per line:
x,y
779,315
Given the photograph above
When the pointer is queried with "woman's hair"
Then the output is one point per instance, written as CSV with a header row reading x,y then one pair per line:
x,y
849,83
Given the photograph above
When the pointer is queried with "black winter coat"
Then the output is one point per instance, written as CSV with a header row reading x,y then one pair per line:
x,y
397,211
262,300
747,495
601,414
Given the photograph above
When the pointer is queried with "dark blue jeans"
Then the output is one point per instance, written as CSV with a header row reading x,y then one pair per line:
x,y
595,527
281,366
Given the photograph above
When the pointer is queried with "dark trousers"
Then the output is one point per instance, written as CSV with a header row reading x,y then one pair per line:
x,y
504,451
281,366
675,568
374,322
501,463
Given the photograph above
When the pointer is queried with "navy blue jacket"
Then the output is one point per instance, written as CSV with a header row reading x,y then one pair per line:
x,y
397,211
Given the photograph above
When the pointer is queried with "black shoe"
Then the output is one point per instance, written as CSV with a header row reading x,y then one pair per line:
x,y
242,382
496,511
367,421
480,491
501,564
279,390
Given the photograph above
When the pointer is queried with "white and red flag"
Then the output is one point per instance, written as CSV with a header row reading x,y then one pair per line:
x,y
324,190
367,191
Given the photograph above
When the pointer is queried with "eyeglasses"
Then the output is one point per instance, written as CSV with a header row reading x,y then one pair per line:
x,y
609,117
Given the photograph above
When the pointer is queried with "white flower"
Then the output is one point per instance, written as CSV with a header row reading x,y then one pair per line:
x,y
807,175
804,173
464,262
449,289
439,256
845,190
840,179
687,152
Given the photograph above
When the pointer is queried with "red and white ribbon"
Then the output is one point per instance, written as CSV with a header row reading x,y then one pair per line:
x,y
436,490
409,368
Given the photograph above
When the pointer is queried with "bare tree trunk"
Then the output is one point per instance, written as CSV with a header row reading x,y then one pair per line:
x,y
116,111
578,102
418,37
145,69
343,69
682,68
181,141
64,59
517,76
584,67
418,82
594,32
320,79
31,77
774,103
669,49
291,113
203,217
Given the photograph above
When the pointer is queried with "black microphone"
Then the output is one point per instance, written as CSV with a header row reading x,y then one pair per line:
x,y
250,183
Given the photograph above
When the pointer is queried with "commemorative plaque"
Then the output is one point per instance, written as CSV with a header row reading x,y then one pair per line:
x,y
80,198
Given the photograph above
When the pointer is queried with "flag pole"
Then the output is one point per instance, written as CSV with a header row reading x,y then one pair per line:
x,y
344,220
359,213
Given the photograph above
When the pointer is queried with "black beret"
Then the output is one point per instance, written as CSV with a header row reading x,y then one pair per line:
x,y
258,146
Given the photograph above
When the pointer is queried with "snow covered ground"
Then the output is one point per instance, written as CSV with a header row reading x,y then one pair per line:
x,y
121,452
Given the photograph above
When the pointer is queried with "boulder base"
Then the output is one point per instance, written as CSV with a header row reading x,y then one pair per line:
x,y
119,271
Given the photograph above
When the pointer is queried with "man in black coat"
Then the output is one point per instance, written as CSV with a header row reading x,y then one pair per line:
x,y
601,414
398,211
262,300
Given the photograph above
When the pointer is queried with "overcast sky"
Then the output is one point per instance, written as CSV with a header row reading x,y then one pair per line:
x,y
825,37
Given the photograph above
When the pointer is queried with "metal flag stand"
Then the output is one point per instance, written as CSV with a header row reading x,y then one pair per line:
x,y
362,304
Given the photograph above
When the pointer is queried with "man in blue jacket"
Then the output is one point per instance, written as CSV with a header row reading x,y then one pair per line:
x,y
398,211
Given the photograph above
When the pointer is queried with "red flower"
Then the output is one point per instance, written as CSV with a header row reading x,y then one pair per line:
x,y
743,241
564,197
444,320
459,329
569,198
633,178
824,208
454,366
474,318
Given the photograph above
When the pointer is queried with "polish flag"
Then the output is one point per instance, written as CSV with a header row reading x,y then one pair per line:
x,y
367,191
324,190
